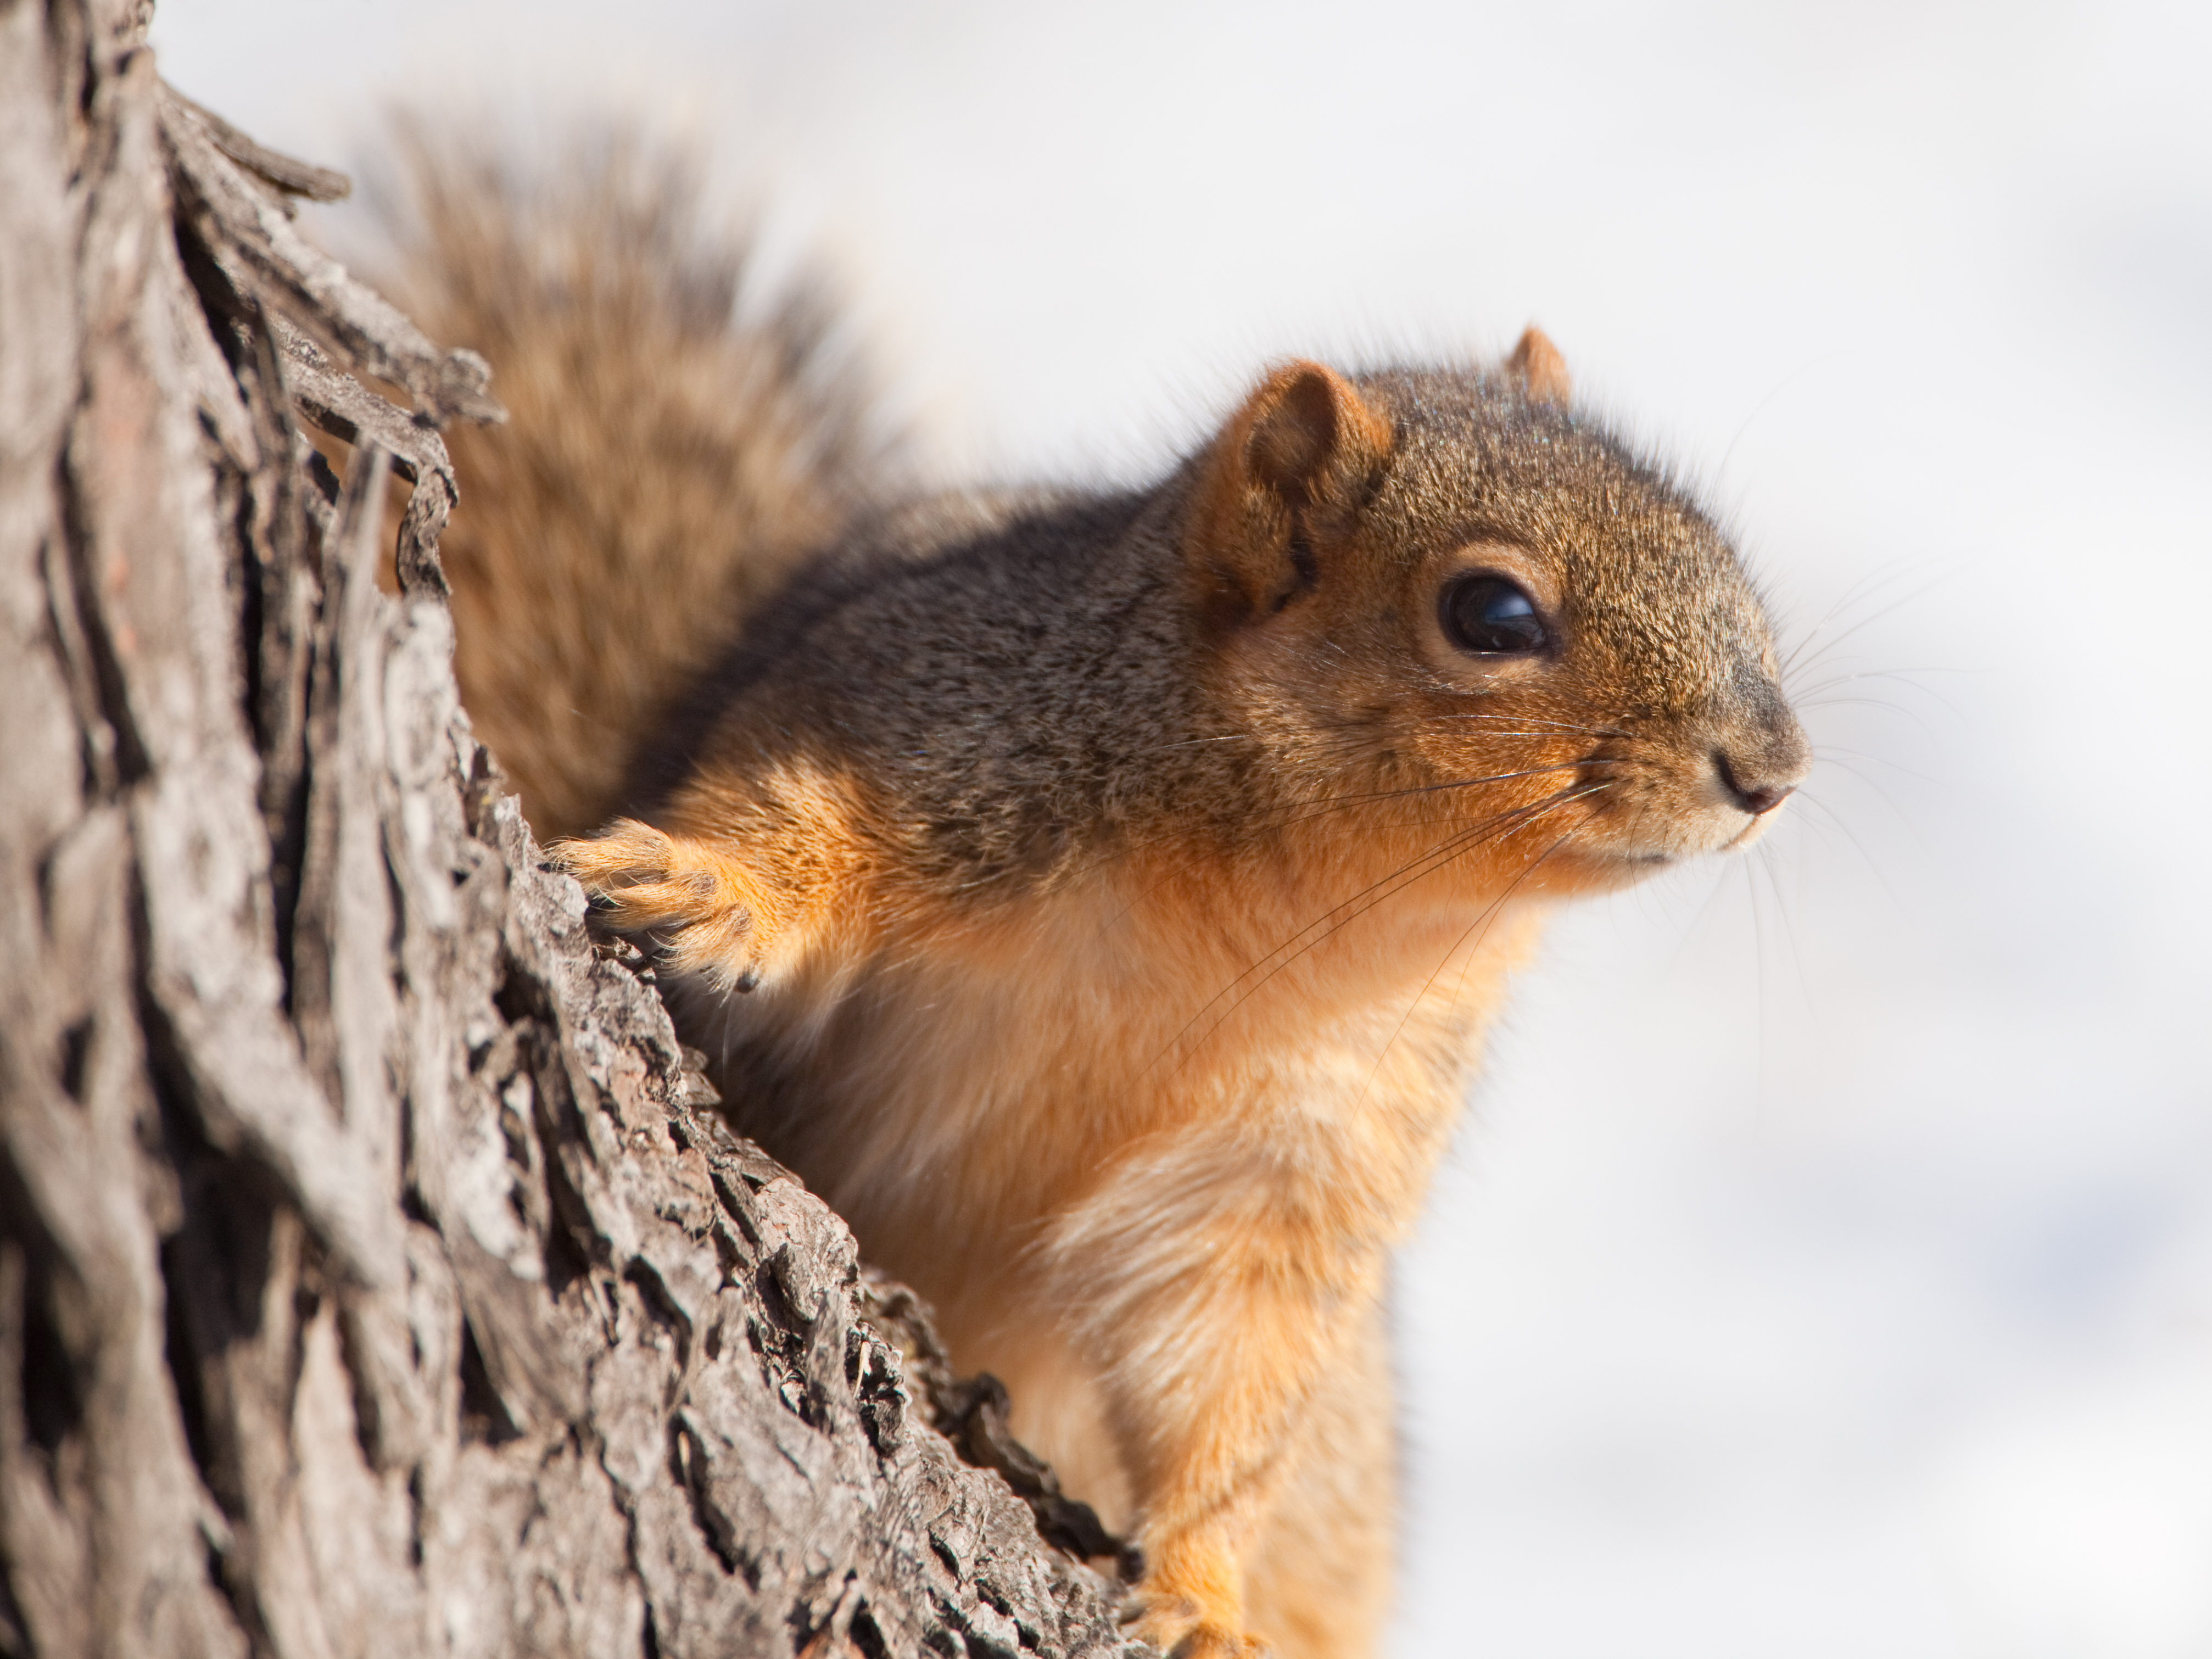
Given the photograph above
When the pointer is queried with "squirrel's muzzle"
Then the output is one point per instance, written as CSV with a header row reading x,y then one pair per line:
x,y
1762,753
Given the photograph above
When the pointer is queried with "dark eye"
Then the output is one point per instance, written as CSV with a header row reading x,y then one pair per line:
x,y
1490,616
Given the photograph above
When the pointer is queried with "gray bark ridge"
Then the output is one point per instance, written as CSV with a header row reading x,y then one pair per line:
x,y
375,1276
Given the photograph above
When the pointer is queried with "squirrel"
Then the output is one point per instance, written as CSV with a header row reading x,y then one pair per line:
x,y
1099,897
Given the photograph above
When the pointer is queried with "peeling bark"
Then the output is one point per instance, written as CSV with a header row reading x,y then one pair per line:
x,y
374,1274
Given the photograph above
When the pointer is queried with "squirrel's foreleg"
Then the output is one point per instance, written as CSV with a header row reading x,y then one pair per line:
x,y
737,877
1214,1301
704,911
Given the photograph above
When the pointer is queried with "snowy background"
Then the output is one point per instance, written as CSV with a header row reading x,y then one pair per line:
x,y
1827,1267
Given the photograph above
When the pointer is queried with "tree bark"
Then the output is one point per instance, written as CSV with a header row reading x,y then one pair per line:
x,y
374,1277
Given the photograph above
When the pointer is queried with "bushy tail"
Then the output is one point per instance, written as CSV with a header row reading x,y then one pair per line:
x,y
664,462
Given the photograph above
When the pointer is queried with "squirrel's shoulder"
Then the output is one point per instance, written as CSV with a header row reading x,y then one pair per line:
x,y
1014,618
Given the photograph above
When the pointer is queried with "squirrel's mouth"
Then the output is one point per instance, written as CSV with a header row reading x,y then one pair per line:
x,y
1649,805
1750,833
1638,839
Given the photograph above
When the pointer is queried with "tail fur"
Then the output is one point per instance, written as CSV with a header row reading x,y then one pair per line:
x,y
666,463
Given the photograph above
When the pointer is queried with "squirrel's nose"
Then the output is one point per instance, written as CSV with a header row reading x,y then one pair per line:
x,y
1746,789
1761,755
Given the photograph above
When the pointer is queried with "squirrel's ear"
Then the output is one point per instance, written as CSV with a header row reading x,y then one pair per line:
x,y
1536,363
1292,465
1308,436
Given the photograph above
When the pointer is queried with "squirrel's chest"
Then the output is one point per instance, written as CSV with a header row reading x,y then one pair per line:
x,y
1004,1066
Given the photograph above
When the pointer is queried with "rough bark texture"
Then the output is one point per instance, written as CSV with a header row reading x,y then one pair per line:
x,y
372,1278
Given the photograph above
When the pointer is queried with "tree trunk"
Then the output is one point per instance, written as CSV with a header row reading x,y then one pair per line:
x,y
372,1278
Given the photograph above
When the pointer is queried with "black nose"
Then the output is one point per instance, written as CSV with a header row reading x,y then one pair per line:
x,y
1752,794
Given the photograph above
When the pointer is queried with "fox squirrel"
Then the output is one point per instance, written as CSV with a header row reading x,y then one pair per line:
x,y
1099,897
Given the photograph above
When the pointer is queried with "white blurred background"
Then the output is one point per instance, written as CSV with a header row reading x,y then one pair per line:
x,y
1826,1267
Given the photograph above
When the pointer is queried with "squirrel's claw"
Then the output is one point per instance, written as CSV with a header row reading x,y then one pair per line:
x,y
1217,1642
1174,1623
696,908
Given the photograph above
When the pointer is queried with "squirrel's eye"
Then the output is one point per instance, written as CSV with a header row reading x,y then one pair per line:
x,y
1490,616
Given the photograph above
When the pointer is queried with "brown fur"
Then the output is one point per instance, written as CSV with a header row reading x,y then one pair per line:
x,y
1128,1007
649,433
1101,899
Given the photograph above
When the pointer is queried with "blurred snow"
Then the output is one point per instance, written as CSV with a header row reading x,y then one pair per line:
x,y
1827,1267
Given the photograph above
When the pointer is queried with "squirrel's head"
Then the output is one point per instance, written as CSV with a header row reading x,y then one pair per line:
x,y
1446,603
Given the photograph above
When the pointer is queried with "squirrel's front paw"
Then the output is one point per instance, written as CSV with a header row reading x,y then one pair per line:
x,y
687,899
1173,1624
1216,1641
